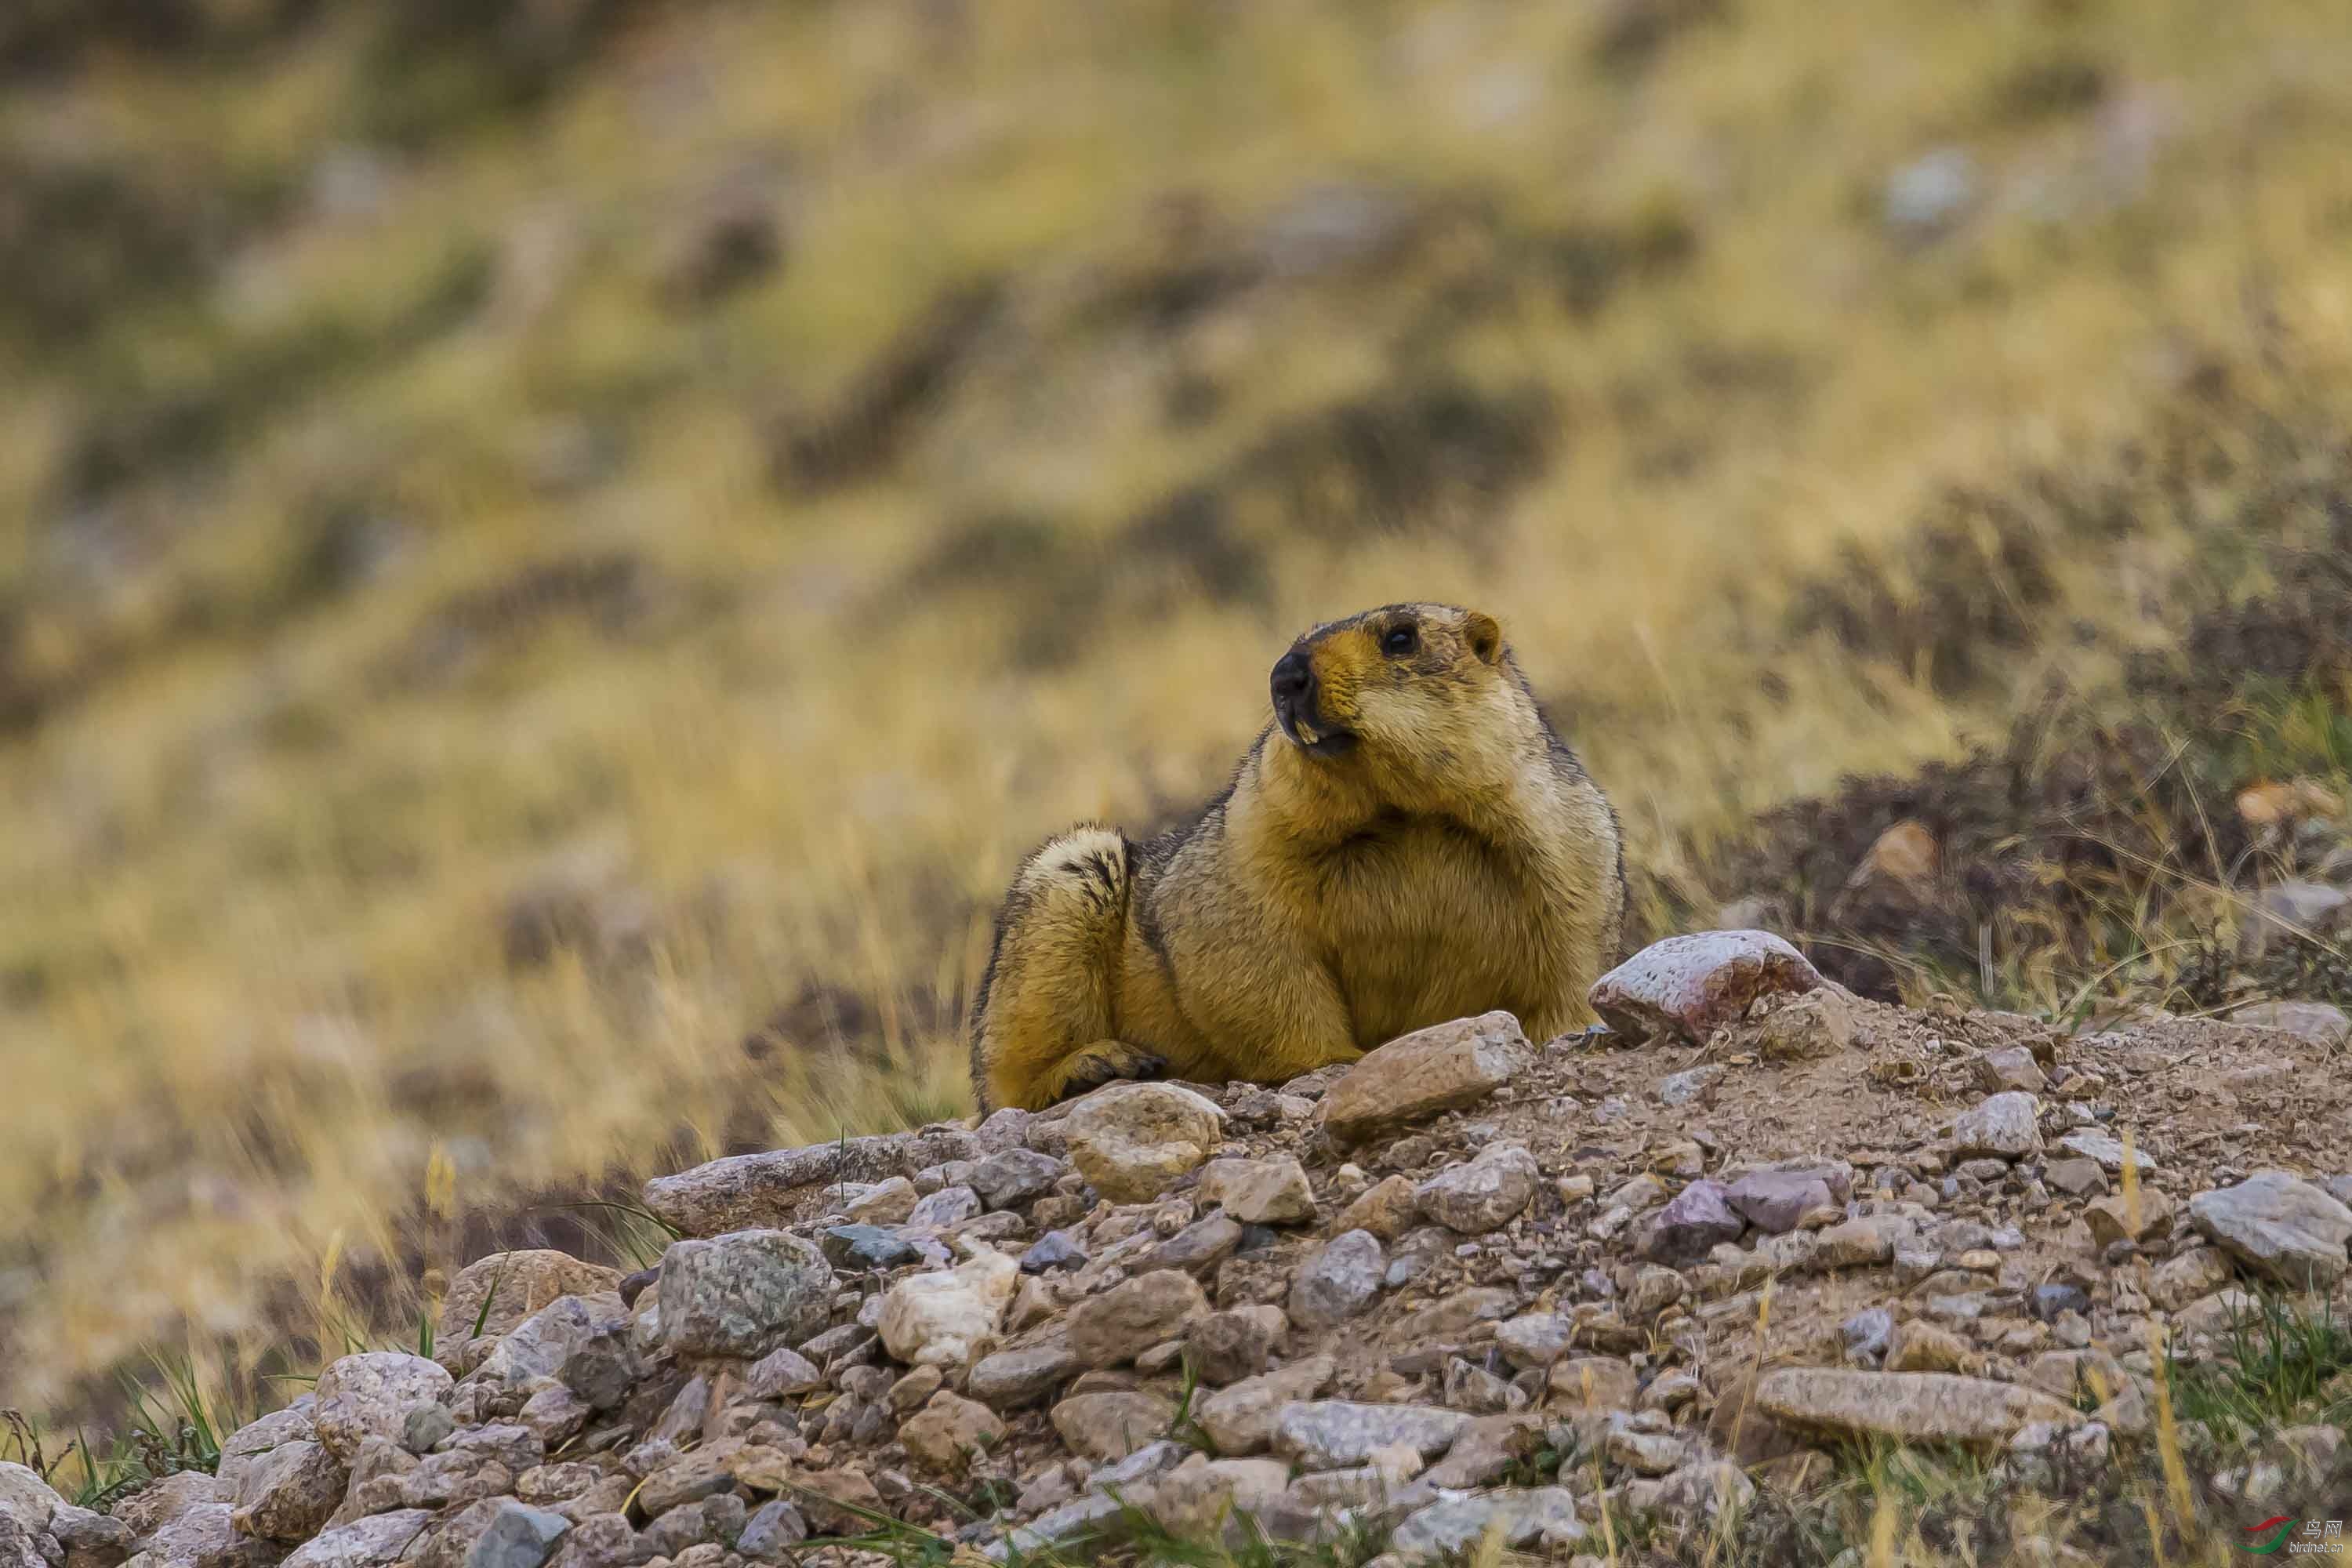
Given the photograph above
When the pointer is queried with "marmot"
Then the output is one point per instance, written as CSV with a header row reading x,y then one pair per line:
x,y
1407,842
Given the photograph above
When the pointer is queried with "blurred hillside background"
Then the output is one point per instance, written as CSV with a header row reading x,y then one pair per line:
x,y
554,554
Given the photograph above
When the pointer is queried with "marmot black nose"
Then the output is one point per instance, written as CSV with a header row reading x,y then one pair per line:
x,y
1294,678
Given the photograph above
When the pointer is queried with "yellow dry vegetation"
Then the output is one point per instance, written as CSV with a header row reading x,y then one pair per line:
x,y
487,723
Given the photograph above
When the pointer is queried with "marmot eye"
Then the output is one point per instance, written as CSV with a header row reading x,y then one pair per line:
x,y
1399,641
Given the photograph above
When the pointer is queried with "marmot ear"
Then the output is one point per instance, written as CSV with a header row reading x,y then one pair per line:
x,y
1485,633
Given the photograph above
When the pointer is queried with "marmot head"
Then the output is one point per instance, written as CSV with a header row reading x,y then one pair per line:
x,y
1400,680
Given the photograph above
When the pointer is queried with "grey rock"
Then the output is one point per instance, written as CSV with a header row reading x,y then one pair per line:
x,y
1484,1451
1474,1389
837,1345
519,1537
1328,1433
2106,1150
949,1430
713,1520
1705,1490
1691,1086
21,1548
1110,1494
1128,1319
602,1540
1226,1500
1241,1419
2077,1178
1339,1282
559,1482
493,1294
2011,1068
1866,1334
376,1542
1024,1376
91,1539
1113,1424
2295,908
1416,1251
948,1206
686,1480
1539,1515
1907,1406
2321,1023
1017,1176
1201,1246
1054,1250
782,1373
1645,1453
1534,1341
2005,1126
370,1395
1698,1219
156,1505
2049,1301
859,1247
1260,1191
1226,1347
289,1494
556,1413
1483,1194
1774,1200
542,1343
28,1499
748,1191
602,1366
504,1442
1007,1127
742,1294
772,1531
2279,1225
885,1203
200,1536
456,1476
424,1427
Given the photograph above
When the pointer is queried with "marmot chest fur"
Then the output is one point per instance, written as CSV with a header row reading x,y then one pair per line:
x,y
1408,842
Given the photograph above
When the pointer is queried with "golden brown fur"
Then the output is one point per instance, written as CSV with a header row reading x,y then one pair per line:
x,y
1408,842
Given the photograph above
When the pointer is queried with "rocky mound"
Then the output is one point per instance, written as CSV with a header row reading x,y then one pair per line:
x,y
1468,1287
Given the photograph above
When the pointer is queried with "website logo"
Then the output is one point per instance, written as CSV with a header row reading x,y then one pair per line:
x,y
2295,1537
2265,1538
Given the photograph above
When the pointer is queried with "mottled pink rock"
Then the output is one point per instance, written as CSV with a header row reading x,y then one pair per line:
x,y
1698,1219
1693,985
1774,1200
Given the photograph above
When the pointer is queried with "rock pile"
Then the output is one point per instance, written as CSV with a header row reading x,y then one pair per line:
x,y
1464,1285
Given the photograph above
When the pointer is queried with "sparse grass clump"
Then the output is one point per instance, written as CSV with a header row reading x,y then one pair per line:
x,y
173,1424
2285,1362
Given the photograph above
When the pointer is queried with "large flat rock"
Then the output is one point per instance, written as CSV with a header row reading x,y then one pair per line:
x,y
1908,1406
1442,1067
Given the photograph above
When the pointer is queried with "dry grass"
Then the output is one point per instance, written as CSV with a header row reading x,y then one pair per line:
x,y
271,823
